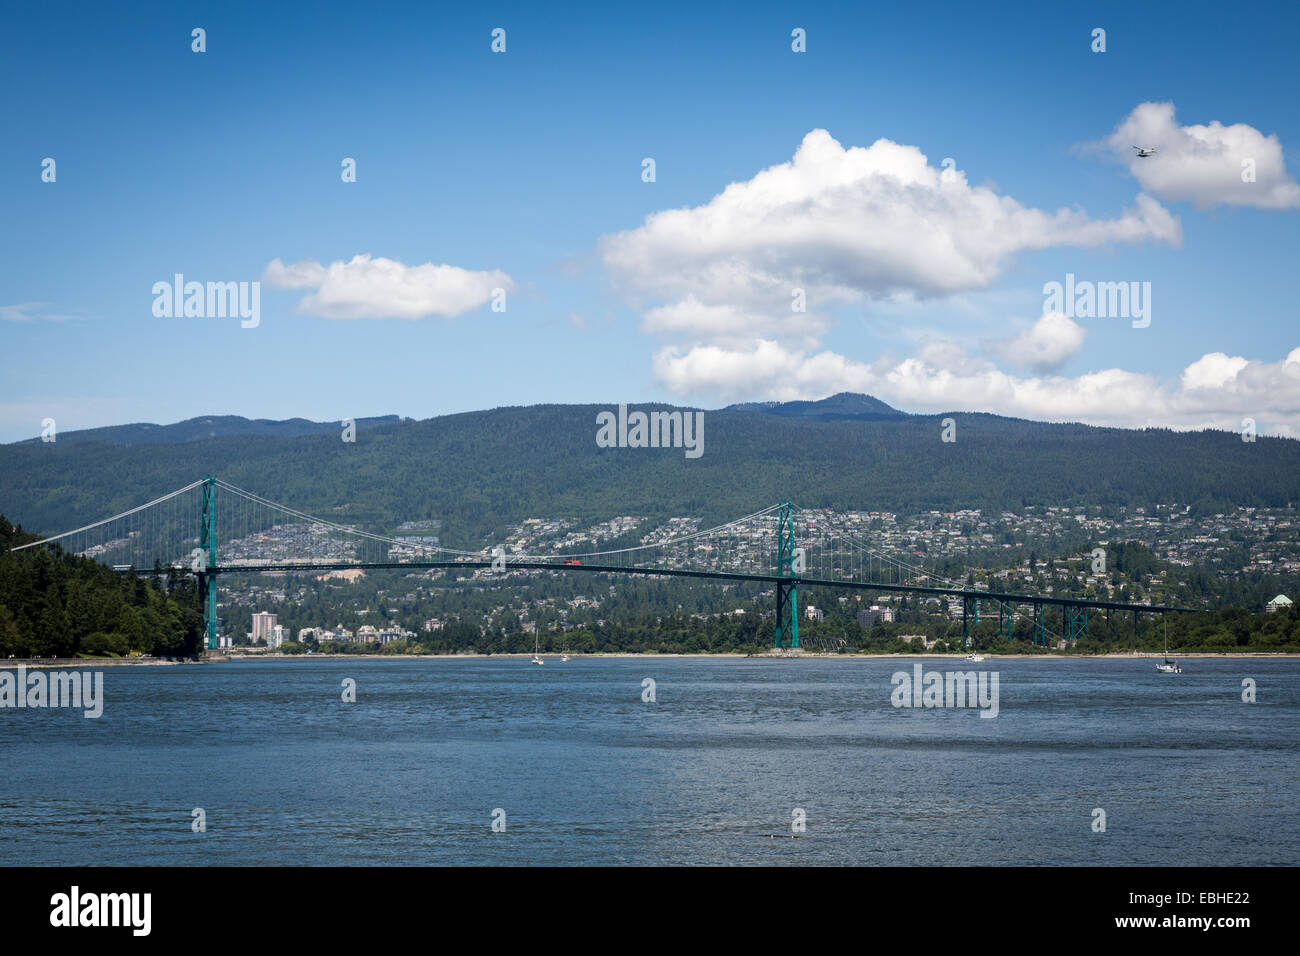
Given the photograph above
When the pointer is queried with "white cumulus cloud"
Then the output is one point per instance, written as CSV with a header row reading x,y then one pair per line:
x,y
1047,345
365,287
1203,164
1213,371
1216,391
842,225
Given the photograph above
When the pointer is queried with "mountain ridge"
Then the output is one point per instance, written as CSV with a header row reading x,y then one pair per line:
x,y
842,406
192,429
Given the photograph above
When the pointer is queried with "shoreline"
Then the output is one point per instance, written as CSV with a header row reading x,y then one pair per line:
x,y
53,663
1140,655
47,663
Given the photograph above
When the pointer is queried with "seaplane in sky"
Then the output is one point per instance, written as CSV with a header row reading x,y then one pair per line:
x,y
1145,151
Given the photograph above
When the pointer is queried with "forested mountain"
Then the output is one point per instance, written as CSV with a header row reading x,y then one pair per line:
x,y
480,471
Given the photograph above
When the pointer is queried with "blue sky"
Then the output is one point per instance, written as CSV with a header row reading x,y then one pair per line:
x,y
529,164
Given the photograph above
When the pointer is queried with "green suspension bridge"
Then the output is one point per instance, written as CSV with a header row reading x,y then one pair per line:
x,y
812,549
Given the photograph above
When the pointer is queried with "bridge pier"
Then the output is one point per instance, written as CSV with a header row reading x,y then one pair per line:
x,y
787,614
208,555
787,592
1076,622
970,607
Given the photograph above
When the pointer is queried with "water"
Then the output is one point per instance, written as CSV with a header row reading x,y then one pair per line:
x,y
587,773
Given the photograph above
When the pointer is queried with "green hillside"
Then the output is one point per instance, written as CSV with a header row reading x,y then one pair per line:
x,y
482,470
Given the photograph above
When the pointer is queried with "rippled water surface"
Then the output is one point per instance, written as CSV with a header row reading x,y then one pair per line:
x,y
588,773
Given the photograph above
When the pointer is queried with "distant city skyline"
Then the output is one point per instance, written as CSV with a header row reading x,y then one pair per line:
x,y
943,210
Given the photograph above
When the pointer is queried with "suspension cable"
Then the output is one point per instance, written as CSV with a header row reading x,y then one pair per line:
x,y
124,514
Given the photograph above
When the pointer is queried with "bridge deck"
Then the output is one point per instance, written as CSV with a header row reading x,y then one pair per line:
x,y
1004,596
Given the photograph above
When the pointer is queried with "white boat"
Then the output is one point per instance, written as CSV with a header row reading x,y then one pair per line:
x,y
537,658
564,658
974,658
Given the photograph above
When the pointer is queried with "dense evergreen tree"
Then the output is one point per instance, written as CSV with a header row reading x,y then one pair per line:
x,y
58,605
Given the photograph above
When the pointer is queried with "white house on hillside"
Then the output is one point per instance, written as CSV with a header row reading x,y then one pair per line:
x,y
1279,603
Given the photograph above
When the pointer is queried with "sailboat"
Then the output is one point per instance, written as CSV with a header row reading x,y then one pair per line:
x,y
1168,667
537,658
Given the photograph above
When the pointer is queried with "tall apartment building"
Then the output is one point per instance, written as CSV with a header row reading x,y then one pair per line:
x,y
263,623
875,613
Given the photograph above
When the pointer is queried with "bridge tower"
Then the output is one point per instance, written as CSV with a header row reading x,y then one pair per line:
x,y
970,609
1076,622
787,594
208,545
